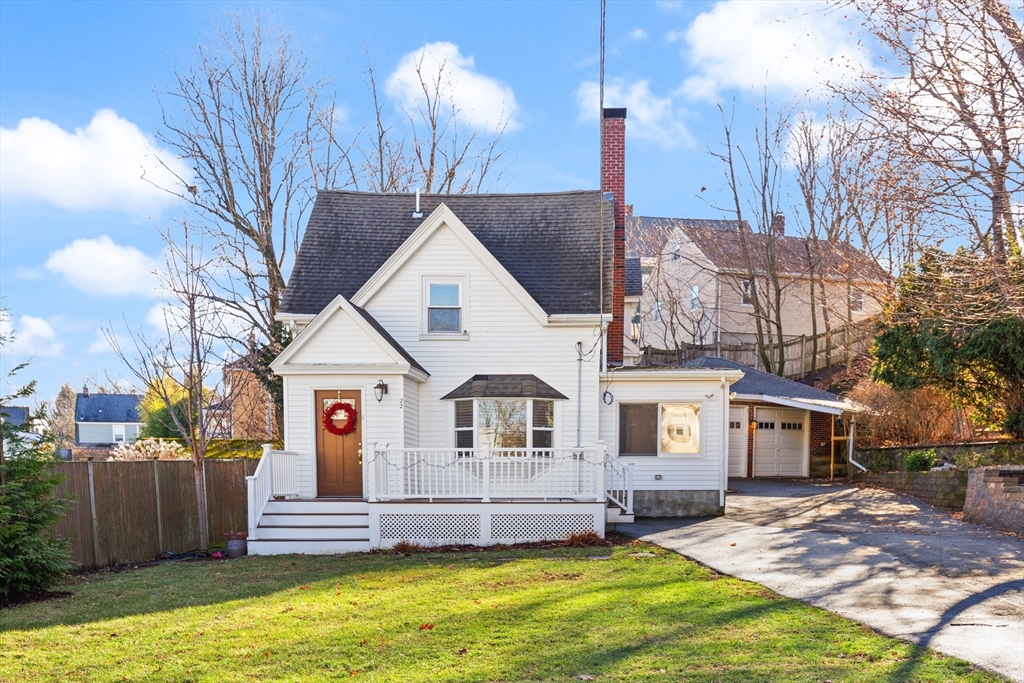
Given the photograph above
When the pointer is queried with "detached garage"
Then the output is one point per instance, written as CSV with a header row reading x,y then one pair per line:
x,y
782,428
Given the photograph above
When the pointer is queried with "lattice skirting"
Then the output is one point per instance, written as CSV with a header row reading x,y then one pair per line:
x,y
480,523
452,527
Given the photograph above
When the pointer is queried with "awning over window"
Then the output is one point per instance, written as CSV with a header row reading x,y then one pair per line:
x,y
504,386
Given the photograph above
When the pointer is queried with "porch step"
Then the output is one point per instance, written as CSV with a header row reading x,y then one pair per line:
x,y
614,515
324,533
322,519
317,507
308,546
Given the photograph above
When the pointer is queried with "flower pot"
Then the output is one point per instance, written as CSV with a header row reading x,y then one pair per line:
x,y
237,548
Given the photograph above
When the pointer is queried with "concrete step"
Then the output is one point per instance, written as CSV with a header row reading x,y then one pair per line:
x,y
317,506
308,547
614,515
314,520
297,533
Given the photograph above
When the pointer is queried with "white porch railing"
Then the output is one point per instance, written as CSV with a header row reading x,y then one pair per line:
x,y
275,475
485,473
619,483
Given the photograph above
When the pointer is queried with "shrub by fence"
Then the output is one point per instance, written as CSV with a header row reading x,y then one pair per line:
x,y
134,510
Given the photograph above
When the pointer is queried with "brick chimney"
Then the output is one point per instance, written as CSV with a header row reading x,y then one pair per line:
x,y
613,180
779,224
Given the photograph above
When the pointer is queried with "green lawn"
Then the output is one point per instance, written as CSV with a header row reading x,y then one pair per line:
x,y
459,617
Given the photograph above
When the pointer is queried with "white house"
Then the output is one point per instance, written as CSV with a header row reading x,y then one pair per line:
x,y
453,378
106,419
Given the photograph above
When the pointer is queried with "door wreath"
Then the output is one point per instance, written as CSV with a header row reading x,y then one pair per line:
x,y
350,423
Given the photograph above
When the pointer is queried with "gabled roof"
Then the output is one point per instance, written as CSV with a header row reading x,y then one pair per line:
x,y
634,277
107,408
549,243
14,415
722,243
646,235
758,384
504,386
389,339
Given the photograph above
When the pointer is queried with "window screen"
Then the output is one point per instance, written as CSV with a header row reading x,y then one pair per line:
x,y
638,429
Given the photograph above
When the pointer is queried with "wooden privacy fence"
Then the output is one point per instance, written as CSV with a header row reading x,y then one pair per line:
x,y
131,511
837,346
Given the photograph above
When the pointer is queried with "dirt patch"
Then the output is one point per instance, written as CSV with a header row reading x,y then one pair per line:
x,y
29,598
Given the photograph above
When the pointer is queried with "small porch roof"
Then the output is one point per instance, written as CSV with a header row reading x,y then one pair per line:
x,y
504,386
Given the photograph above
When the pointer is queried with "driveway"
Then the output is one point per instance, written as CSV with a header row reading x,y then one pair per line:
x,y
887,560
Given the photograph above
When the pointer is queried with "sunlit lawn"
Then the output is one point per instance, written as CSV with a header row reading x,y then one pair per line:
x,y
430,617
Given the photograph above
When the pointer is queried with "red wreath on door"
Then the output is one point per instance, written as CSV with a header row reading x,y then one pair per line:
x,y
350,422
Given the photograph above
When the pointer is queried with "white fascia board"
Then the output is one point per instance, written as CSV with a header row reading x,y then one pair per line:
x,y
673,375
348,369
311,330
81,422
581,319
632,299
294,317
830,407
443,216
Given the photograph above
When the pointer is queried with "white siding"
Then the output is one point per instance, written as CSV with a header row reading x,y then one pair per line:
x,y
503,339
340,340
411,414
380,422
90,433
678,473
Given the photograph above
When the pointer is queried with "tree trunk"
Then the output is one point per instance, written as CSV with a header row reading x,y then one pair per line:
x,y
200,483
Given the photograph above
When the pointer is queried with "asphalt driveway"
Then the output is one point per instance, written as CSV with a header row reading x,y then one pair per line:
x,y
887,560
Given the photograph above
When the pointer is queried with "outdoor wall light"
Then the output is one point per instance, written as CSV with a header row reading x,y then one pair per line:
x,y
380,390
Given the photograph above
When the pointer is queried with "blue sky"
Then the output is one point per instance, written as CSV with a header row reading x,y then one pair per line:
x,y
79,111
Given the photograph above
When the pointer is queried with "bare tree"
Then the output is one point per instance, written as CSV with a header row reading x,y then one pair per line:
x,y
956,105
180,364
62,417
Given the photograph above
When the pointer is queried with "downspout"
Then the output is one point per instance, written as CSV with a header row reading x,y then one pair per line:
x,y
849,445
579,390
725,443
718,312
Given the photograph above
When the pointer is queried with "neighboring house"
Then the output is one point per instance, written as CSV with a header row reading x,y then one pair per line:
x,y
14,415
106,419
246,412
700,286
634,290
474,345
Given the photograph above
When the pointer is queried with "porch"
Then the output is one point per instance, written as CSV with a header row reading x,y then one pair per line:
x,y
442,496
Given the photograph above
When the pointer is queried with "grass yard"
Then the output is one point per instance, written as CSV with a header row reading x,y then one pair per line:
x,y
457,617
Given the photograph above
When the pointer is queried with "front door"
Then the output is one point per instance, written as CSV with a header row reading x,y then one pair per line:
x,y
339,462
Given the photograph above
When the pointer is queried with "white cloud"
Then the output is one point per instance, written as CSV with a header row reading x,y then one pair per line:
x,y
789,46
638,34
32,336
483,103
651,118
100,166
675,6
23,273
99,345
99,266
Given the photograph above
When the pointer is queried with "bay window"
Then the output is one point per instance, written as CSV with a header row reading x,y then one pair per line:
x,y
504,423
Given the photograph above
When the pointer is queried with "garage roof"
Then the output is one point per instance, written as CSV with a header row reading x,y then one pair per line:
x,y
758,385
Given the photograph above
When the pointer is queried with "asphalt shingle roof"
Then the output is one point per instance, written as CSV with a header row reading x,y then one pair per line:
x,y
107,408
548,242
504,386
14,415
634,277
760,383
721,243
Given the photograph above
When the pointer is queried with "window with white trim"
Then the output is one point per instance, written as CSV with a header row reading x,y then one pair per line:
x,y
653,429
119,433
504,423
444,307
656,311
694,297
857,301
747,292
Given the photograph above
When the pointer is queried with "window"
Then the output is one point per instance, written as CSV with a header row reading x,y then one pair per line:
x,y
444,308
857,301
504,423
694,297
118,433
656,311
793,426
638,429
680,428
676,244
747,292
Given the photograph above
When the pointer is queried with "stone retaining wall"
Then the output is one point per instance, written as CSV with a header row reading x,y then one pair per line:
x,y
888,459
994,500
942,489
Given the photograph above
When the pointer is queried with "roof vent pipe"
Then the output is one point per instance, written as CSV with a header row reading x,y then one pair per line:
x,y
417,213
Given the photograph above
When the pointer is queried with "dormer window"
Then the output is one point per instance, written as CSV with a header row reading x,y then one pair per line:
x,y
443,299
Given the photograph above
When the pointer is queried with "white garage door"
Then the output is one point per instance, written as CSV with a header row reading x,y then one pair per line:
x,y
779,442
737,442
